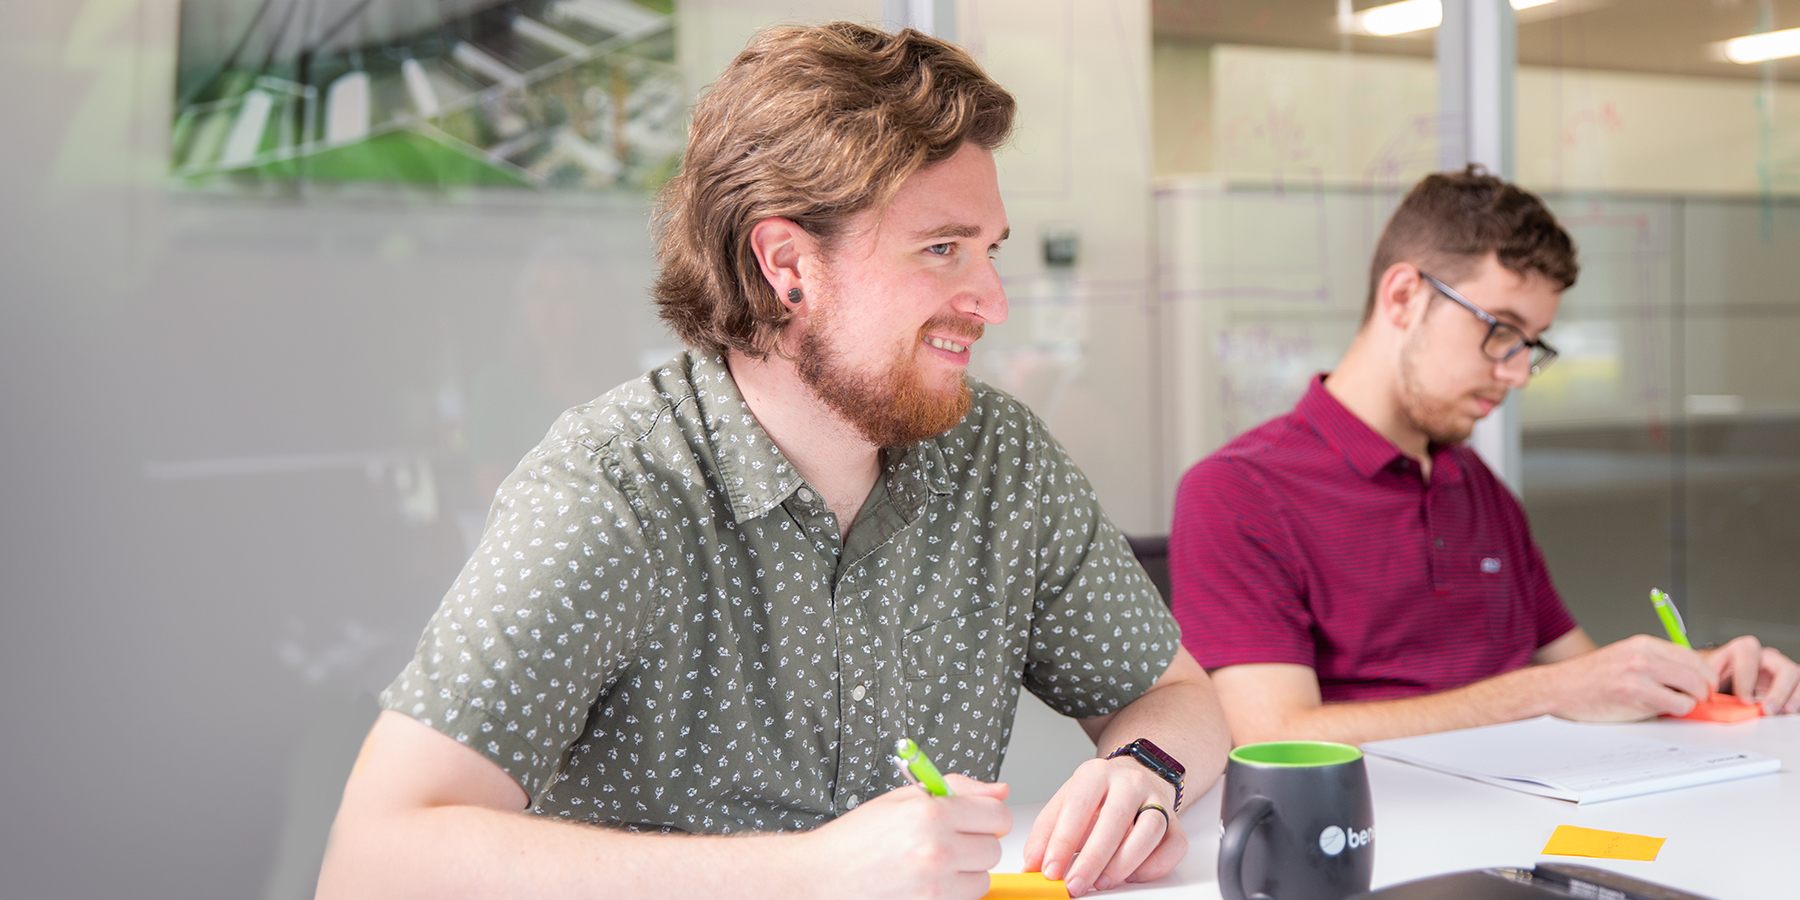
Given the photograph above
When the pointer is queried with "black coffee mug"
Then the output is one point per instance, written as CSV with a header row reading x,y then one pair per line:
x,y
1298,823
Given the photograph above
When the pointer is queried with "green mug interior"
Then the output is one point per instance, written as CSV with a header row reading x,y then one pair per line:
x,y
1296,754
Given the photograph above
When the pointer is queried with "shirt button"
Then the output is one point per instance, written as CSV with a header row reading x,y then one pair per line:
x,y
1438,541
805,495
852,801
858,693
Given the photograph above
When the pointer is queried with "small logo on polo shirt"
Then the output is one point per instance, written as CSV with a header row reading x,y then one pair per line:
x,y
1490,564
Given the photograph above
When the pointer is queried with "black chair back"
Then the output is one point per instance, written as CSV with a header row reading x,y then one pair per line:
x,y
1153,554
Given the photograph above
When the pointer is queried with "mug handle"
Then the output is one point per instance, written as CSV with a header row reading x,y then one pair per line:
x,y
1233,842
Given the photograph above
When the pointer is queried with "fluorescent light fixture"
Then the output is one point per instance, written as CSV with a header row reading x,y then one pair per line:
x,y
1409,16
1757,48
1400,18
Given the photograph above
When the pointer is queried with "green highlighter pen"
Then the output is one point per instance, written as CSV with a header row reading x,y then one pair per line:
x,y
1671,617
918,769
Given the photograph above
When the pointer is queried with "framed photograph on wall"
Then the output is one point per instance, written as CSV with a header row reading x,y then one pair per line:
x,y
580,95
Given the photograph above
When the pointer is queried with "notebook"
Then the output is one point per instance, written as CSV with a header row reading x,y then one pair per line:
x,y
1571,761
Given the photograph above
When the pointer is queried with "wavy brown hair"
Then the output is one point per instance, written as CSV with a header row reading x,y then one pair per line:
x,y
1450,220
812,124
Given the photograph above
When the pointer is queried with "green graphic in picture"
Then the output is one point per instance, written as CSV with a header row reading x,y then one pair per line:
x,y
572,94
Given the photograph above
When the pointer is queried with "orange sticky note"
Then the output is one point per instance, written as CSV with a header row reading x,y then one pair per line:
x,y
1023,886
1723,708
1571,840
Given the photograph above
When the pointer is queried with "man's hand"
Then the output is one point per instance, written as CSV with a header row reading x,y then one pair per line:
x,y
1099,812
907,843
1759,673
1627,680
1096,814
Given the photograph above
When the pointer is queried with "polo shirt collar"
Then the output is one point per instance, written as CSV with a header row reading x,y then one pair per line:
x,y
1367,451
756,477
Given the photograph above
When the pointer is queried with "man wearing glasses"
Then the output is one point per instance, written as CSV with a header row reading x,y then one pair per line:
x,y
1352,572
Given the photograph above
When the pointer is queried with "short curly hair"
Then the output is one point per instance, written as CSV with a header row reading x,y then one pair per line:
x,y
1450,220
813,124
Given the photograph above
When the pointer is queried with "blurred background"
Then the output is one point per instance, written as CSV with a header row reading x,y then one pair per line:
x,y
287,285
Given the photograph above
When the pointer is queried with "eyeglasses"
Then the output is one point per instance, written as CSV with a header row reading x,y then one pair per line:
x,y
1503,341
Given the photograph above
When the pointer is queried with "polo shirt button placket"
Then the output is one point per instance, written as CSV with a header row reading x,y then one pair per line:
x,y
1439,566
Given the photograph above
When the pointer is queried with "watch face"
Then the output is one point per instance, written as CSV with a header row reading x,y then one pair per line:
x,y
1162,757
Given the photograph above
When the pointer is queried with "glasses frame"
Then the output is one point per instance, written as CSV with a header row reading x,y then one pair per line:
x,y
1538,363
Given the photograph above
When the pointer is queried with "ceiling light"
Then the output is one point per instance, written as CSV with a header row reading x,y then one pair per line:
x,y
1757,48
1400,18
1414,15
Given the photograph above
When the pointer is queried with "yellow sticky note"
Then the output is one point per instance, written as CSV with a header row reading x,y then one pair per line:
x,y
1023,886
1570,840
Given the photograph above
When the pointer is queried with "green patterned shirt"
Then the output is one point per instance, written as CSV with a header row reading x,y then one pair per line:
x,y
661,628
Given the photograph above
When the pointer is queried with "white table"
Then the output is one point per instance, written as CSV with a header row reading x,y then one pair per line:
x,y
1738,840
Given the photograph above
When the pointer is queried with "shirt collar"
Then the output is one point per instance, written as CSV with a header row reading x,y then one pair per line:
x,y
1367,451
756,476
914,472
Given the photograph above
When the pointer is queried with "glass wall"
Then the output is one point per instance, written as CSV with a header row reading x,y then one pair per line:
x,y
1669,453
1663,447
1285,135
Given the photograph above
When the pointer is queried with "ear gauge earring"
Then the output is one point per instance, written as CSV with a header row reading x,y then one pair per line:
x,y
793,297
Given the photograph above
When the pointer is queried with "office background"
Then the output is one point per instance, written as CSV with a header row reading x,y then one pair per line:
x,y
250,425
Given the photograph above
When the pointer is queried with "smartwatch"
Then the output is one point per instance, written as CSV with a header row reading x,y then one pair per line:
x,y
1153,758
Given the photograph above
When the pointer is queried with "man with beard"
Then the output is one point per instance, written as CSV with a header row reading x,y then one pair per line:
x,y
1351,572
709,604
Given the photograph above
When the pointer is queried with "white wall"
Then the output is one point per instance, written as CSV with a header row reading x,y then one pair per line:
x,y
1313,116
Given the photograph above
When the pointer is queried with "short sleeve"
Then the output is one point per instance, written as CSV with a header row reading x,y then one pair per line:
x,y
1237,596
540,621
1100,633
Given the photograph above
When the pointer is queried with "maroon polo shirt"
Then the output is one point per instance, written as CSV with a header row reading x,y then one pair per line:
x,y
1312,540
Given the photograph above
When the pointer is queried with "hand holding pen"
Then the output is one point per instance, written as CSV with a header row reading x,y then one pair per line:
x,y
940,841
1756,674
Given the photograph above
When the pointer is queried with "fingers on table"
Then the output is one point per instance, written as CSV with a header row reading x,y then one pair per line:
x,y
1784,678
1038,841
1145,835
1074,817
1106,838
1745,662
1164,858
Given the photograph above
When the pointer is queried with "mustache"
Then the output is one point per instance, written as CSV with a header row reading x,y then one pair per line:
x,y
965,331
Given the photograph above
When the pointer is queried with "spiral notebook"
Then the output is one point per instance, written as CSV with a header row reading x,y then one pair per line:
x,y
1570,761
